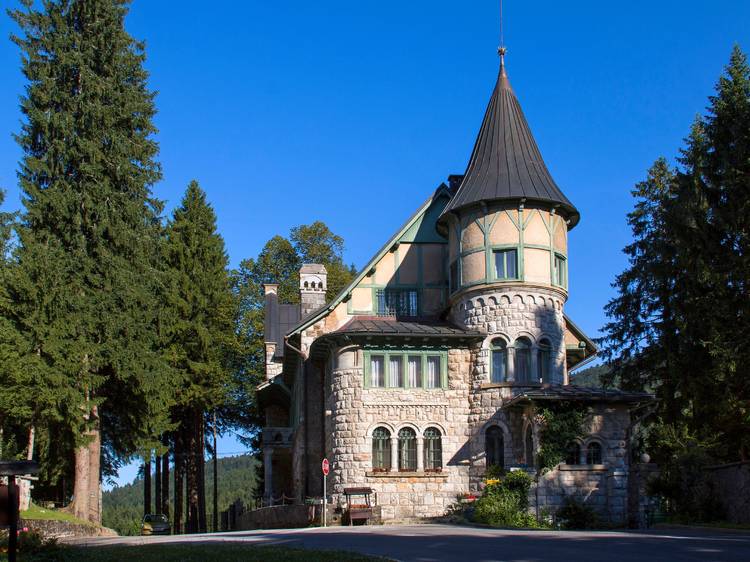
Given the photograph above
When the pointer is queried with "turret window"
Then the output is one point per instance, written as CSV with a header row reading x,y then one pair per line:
x,y
523,360
499,353
506,264
560,271
543,357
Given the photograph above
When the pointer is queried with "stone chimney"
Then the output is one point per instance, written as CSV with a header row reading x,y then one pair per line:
x,y
312,287
271,333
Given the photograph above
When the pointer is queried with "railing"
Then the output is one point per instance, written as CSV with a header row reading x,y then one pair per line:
x,y
271,501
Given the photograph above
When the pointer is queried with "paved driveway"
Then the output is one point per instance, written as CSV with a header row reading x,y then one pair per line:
x,y
426,543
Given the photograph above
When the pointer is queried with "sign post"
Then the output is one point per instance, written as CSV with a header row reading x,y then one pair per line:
x,y
326,468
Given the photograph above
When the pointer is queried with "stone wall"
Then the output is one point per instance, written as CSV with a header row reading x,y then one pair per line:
x,y
732,485
356,411
509,313
53,529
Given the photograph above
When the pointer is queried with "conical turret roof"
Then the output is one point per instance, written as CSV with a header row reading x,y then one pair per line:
x,y
506,163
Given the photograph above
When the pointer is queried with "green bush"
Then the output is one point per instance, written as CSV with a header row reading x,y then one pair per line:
x,y
505,502
574,514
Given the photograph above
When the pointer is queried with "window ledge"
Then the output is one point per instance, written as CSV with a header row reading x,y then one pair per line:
x,y
394,474
584,467
514,384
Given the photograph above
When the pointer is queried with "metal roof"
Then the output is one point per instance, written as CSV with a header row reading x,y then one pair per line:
x,y
506,162
369,326
580,394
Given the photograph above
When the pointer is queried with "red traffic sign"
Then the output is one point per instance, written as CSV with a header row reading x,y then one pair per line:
x,y
326,467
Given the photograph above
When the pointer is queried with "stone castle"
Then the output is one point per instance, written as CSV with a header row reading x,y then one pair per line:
x,y
429,367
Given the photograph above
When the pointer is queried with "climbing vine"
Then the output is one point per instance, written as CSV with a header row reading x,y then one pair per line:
x,y
561,424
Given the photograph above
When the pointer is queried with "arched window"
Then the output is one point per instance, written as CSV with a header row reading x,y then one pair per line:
x,y
407,450
381,450
433,450
529,447
494,446
543,357
574,454
523,360
594,453
499,366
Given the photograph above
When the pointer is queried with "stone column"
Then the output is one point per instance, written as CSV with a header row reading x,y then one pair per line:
x,y
420,453
394,454
510,376
268,471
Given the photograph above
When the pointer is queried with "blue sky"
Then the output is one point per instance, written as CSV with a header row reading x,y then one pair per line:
x,y
290,112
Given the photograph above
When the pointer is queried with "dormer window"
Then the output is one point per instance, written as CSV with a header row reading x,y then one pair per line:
x,y
398,302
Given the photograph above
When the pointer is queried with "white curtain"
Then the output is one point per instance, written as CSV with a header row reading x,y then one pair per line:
x,y
433,372
376,370
394,372
415,372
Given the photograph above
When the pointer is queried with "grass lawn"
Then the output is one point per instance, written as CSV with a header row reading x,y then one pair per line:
x,y
192,553
36,512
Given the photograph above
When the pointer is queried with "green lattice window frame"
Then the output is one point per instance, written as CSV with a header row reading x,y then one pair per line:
x,y
425,356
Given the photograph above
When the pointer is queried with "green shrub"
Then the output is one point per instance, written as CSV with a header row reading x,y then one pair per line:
x,y
561,424
574,514
494,472
505,502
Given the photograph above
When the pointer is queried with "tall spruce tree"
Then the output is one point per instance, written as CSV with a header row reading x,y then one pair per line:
x,y
681,319
202,343
86,282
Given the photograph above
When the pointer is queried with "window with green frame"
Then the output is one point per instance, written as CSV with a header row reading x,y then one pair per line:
x,y
506,263
406,368
560,271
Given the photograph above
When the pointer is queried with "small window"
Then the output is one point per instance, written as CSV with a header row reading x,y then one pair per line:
x,y
522,360
543,358
414,371
377,370
594,453
407,450
381,450
574,454
560,271
398,302
506,264
499,368
433,450
395,371
494,446
432,378
453,275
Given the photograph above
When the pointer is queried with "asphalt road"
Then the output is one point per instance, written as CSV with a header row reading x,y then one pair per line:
x,y
426,543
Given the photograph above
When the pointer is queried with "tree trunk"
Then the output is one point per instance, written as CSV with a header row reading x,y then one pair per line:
x,y
179,468
165,483
24,484
192,475
157,483
95,477
216,483
147,484
201,441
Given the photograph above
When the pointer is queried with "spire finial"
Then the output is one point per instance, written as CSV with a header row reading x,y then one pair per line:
x,y
501,50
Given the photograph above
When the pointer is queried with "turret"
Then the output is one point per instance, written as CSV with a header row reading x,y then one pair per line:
x,y
507,226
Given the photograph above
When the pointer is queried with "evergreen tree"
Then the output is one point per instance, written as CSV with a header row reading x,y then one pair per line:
x,y
202,341
681,319
84,295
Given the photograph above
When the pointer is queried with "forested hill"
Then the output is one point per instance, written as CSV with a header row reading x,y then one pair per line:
x,y
591,377
238,479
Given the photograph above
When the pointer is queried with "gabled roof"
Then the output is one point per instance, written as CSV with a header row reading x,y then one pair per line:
x,y
506,162
412,221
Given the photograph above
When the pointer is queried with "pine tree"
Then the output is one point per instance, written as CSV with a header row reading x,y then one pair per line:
x,y
85,293
202,344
